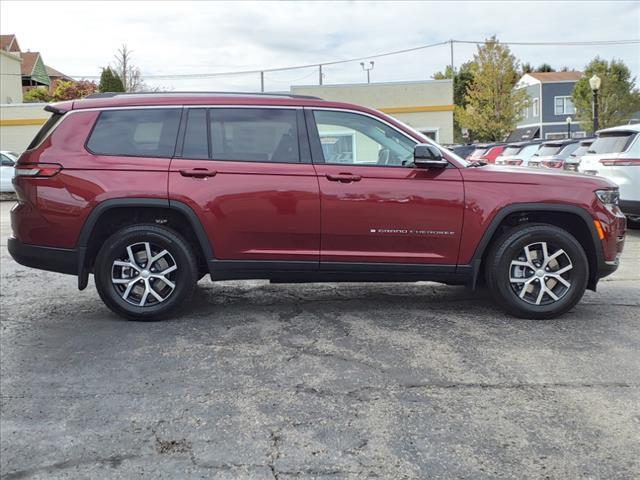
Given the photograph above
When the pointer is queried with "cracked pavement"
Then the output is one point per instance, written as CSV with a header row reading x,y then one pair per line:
x,y
321,381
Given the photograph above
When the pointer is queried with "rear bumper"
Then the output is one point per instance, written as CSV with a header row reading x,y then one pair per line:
x,y
60,260
630,207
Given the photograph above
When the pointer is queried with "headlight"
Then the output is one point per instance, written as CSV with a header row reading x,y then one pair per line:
x,y
608,197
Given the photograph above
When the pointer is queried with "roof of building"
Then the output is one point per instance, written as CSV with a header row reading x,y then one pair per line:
x,y
53,73
545,77
9,43
29,60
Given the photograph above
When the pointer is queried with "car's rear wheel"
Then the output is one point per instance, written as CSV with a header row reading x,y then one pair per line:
x,y
145,272
537,271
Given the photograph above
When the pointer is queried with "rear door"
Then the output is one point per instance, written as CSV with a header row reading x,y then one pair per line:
x,y
376,206
247,174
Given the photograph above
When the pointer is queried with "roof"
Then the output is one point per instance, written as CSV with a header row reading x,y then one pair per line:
x,y
53,73
9,43
29,60
523,133
634,127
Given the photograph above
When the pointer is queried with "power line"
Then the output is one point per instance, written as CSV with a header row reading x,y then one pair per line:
x,y
367,57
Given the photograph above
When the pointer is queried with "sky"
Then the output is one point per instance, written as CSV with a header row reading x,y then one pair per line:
x,y
168,38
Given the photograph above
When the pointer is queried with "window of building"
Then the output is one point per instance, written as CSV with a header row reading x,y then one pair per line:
x,y
254,134
137,133
432,133
535,107
361,140
563,106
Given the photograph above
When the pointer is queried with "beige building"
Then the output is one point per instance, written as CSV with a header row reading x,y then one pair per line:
x,y
427,106
10,78
19,123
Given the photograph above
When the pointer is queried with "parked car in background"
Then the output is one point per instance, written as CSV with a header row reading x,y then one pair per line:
x,y
7,170
487,152
572,161
553,153
615,155
518,154
463,150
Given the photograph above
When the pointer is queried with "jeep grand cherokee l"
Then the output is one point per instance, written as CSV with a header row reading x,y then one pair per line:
x,y
150,192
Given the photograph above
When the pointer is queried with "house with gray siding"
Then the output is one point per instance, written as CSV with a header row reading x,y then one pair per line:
x,y
550,106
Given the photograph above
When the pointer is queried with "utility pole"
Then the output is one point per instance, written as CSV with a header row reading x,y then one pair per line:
x,y
320,74
262,82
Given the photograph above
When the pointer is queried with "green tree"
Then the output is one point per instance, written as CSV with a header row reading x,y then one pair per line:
x,y
493,106
545,67
618,98
462,78
110,81
36,95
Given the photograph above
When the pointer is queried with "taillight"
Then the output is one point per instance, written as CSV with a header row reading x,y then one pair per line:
x,y
554,164
516,162
37,169
621,162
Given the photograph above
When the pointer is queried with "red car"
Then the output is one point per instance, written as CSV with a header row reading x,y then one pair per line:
x,y
150,192
487,152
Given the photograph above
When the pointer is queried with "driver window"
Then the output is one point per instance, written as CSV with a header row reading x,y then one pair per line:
x,y
350,138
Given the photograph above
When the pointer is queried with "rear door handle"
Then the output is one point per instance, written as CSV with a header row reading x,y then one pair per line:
x,y
198,172
343,177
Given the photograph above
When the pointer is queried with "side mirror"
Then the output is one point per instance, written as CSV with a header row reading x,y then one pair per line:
x,y
428,156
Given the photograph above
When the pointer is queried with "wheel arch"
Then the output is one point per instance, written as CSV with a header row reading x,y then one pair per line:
x,y
574,219
106,209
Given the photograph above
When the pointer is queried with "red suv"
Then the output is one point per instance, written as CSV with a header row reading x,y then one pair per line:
x,y
150,192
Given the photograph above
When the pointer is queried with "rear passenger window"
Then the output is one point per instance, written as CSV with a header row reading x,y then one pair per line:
x,y
137,133
254,135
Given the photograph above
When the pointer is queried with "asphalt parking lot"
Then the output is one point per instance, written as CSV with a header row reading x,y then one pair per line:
x,y
263,381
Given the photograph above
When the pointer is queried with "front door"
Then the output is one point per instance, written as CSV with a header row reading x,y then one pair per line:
x,y
247,174
376,207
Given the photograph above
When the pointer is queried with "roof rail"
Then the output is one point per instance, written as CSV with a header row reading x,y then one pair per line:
x,y
117,94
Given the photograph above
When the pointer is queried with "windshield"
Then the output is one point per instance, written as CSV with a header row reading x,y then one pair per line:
x,y
478,153
511,151
580,151
546,150
612,142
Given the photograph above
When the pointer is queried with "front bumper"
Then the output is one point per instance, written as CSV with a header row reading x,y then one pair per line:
x,y
60,260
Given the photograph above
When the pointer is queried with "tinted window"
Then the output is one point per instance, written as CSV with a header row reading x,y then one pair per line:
x,y
195,136
612,142
581,150
138,133
358,139
508,151
254,135
6,161
548,150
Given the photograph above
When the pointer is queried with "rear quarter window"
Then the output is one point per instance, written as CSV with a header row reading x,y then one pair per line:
x,y
136,132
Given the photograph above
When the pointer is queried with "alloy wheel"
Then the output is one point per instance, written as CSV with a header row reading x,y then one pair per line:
x,y
145,274
541,273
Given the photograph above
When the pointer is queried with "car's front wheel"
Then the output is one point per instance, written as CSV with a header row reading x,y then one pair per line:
x,y
145,272
537,271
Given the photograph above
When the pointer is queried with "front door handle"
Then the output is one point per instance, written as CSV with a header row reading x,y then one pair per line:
x,y
198,172
343,177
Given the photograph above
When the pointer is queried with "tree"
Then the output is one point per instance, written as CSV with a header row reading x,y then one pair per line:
x,y
127,71
493,106
110,81
545,67
36,95
462,78
72,90
618,98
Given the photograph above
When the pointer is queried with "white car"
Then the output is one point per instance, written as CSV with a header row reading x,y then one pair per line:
x,y
615,155
518,154
7,171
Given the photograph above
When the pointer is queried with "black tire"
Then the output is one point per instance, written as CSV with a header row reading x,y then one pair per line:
x,y
511,247
183,277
